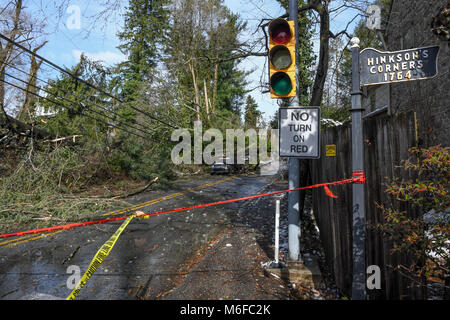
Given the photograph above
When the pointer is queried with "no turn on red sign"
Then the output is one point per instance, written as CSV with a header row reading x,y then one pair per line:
x,y
299,132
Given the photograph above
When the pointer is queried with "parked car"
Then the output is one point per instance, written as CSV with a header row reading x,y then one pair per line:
x,y
221,166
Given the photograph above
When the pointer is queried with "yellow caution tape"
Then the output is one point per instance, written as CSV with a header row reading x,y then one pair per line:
x,y
98,258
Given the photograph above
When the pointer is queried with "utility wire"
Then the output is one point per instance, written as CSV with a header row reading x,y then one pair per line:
x,y
68,93
74,102
57,103
55,66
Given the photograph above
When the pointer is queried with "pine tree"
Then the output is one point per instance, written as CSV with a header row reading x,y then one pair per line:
x,y
252,115
146,24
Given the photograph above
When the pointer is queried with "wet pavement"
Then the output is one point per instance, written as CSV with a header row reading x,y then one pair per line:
x,y
151,258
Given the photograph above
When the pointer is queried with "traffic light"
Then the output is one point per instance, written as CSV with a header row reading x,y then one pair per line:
x,y
282,59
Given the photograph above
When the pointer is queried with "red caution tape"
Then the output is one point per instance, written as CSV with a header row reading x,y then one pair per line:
x,y
358,177
329,193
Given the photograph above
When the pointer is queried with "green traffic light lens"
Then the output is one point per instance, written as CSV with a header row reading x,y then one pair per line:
x,y
281,83
280,57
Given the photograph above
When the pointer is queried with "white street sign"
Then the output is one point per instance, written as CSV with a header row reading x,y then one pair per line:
x,y
300,132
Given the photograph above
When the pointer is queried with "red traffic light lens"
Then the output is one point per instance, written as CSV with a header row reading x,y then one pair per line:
x,y
279,31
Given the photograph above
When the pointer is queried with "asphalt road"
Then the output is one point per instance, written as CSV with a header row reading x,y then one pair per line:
x,y
151,257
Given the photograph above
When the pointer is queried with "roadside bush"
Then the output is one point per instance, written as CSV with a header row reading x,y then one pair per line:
x,y
427,237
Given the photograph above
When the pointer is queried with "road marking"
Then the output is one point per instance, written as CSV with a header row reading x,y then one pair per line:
x,y
168,197
28,238
32,238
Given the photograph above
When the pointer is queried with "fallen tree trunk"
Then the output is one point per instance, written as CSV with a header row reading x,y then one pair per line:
x,y
140,191
129,194
20,127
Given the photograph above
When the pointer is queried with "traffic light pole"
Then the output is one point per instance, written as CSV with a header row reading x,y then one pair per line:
x,y
294,167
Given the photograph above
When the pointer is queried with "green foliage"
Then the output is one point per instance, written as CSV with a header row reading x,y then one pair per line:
x,y
251,115
342,114
140,160
430,190
71,100
146,25
274,121
42,188
427,235
231,87
344,79
231,80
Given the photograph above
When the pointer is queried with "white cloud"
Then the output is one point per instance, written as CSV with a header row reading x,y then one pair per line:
x,y
107,57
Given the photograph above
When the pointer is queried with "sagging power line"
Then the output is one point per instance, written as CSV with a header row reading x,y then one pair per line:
x,y
57,103
55,66
68,93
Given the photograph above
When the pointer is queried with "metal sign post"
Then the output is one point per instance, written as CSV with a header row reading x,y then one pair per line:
x,y
372,67
294,230
359,218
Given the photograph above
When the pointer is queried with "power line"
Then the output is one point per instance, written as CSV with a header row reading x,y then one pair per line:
x,y
82,80
57,103
68,93
84,106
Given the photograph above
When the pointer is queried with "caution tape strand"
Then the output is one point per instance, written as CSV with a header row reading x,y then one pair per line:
x,y
358,177
101,255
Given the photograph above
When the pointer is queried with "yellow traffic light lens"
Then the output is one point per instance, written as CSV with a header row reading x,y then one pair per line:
x,y
281,83
280,56
279,31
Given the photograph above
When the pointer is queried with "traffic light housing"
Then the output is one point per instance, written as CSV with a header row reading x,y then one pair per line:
x,y
282,59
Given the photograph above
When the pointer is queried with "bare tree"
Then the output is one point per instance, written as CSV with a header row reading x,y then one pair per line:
x,y
20,27
28,107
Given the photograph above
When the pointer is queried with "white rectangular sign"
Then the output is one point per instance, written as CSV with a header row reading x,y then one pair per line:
x,y
300,132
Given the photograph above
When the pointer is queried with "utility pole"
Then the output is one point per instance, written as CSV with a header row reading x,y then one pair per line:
x,y
294,165
359,217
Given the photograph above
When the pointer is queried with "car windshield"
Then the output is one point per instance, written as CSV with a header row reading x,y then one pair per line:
x,y
223,161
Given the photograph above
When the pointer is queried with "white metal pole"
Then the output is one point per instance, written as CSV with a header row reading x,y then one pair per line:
x,y
277,232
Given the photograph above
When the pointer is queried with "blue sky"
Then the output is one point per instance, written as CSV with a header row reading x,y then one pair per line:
x,y
66,44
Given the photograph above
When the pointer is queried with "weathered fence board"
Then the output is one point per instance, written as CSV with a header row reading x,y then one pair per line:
x,y
386,144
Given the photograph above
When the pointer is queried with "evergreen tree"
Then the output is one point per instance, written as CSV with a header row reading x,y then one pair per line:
x,y
75,103
143,40
274,121
252,115
146,23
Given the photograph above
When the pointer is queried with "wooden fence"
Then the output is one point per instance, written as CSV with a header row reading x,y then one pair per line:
x,y
386,143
